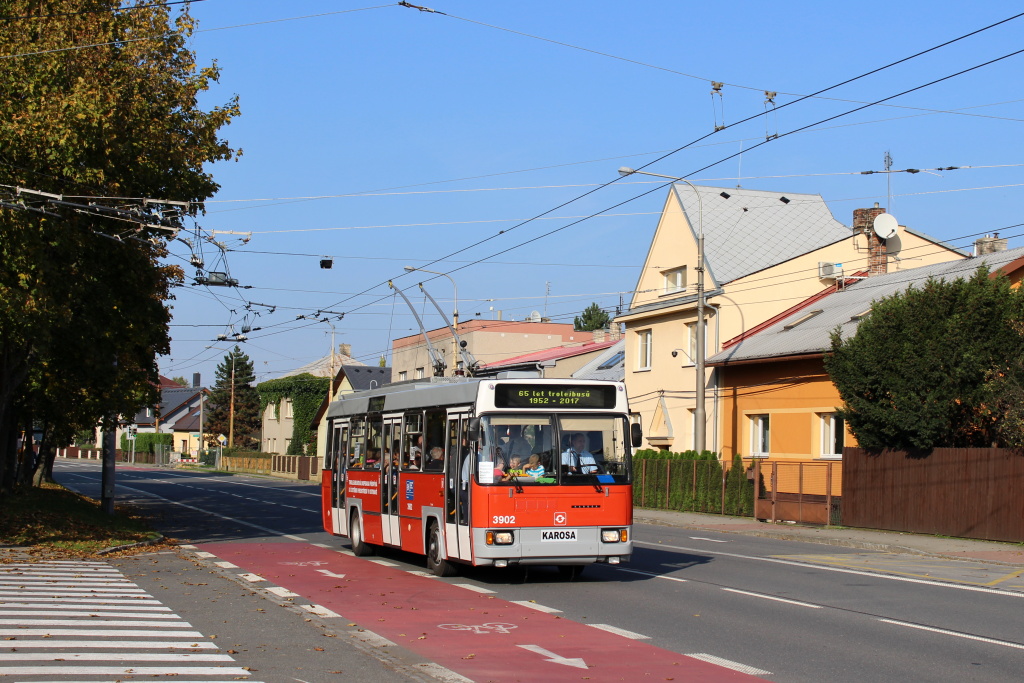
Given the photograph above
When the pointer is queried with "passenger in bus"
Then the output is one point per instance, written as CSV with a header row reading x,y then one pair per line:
x,y
372,458
436,460
514,469
577,458
534,468
515,444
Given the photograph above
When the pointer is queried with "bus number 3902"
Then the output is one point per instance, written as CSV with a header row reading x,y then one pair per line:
x,y
503,519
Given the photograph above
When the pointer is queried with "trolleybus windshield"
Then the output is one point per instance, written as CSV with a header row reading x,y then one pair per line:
x,y
544,449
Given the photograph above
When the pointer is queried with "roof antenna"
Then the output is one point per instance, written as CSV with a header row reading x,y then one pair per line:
x,y
888,179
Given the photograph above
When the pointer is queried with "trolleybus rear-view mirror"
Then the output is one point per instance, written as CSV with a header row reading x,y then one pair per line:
x,y
636,435
474,429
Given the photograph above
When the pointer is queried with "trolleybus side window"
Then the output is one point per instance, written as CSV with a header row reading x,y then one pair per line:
x,y
357,443
373,443
433,438
413,451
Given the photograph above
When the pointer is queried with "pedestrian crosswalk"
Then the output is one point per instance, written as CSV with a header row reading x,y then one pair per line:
x,y
84,622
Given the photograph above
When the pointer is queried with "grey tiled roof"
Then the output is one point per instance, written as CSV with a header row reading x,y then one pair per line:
x,y
841,309
615,373
754,229
363,377
322,366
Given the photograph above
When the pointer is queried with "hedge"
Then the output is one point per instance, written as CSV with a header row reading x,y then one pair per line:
x,y
145,441
691,482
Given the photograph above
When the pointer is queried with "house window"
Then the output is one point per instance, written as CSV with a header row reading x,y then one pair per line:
x,y
419,373
643,351
288,408
403,375
675,280
273,411
759,437
833,435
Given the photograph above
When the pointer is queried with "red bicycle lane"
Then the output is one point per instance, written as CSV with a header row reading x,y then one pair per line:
x,y
479,636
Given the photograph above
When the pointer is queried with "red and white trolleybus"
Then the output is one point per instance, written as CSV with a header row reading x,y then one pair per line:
x,y
477,471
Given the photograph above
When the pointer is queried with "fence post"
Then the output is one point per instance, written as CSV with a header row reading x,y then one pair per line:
x,y
828,494
724,471
668,484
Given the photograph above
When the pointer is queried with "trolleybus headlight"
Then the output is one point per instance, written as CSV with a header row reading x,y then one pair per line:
x,y
614,535
499,538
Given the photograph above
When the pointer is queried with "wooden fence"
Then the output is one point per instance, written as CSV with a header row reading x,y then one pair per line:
x,y
963,492
808,492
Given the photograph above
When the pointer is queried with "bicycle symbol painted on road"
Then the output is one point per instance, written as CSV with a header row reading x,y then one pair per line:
x,y
311,563
480,629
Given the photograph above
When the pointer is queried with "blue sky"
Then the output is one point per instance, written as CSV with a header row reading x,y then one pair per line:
x,y
443,131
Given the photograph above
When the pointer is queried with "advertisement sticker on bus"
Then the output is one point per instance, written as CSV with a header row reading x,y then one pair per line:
x,y
409,490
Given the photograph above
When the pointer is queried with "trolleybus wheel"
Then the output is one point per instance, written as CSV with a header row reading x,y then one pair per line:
x,y
570,572
355,534
435,563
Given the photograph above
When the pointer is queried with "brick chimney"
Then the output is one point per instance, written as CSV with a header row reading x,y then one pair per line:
x,y
599,335
989,244
863,221
345,349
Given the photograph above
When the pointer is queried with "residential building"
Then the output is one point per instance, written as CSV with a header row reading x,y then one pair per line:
x,y
350,378
489,341
764,253
278,417
178,413
609,366
777,401
553,363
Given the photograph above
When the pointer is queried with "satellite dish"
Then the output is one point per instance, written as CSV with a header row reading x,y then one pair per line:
x,y
534,317
886,226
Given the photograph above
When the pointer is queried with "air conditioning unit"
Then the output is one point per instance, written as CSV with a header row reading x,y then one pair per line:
x,y
829,271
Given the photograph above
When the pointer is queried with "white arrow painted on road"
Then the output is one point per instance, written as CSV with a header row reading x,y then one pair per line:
x,y
713,540
331,574
553,658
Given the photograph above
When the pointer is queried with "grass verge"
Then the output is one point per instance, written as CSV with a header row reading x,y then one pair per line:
x,y
52,521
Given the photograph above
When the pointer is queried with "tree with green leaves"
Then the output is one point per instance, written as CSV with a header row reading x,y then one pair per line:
x,y
923,369
180,380
592,318
234,404
95,103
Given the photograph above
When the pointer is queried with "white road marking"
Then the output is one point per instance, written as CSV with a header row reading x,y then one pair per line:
x,y
384,563
772,597
320,611
620,632
226,565
252,577
371,638
328,572
160,671
75,613
103,657
713,540
92,599
203,554
417,572
127,644
91,622
90,604
471,587
841,570
657,576
441,673
282,592
555,659
123,633
729,664
967,636
533,605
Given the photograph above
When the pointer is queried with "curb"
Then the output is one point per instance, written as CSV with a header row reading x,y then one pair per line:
x,y
117,548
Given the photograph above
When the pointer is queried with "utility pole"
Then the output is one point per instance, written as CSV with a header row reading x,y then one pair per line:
x,y
231,410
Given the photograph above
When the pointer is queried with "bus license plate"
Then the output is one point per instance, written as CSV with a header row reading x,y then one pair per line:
x,y
558,535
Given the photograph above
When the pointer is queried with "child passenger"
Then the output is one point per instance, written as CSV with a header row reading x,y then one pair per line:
x,y
534,468
515,469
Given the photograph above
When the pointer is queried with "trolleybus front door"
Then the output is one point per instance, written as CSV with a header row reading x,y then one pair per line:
x,y
339,460
389,479
458,488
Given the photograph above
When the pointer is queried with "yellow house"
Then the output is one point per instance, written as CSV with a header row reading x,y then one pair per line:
x,y
777,402
765,252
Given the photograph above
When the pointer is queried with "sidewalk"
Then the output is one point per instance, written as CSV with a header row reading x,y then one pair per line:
x,y
1011,554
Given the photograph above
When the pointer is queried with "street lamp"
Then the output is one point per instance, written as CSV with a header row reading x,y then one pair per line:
x,y
455,313
699,413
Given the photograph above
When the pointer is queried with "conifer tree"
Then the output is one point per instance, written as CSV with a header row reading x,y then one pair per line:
x,y
592,318
245,429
